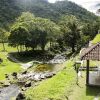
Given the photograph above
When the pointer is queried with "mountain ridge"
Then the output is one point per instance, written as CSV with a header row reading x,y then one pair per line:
x,y
10,10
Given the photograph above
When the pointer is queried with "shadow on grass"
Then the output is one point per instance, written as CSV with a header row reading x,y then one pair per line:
x,y
92,90
37,55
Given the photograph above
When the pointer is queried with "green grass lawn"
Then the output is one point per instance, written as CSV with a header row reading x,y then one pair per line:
x,y
82,92
96,39
8,48
92,63
7,67
56,88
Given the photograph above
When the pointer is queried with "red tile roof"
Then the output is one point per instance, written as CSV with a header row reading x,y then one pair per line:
x,y
91,53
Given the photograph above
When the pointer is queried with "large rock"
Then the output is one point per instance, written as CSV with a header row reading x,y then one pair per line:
x,y
20,82
23,88
25,72
37,77
43,76
20,96
6,84
28,84
6,76
14,74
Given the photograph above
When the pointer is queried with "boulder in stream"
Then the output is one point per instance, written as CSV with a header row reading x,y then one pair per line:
x,y
6,84
49,75
20,96
37,77
28,84
25,72
23,88
20,82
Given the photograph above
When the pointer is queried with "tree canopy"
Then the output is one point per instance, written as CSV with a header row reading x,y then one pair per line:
x,y
70,27
36,31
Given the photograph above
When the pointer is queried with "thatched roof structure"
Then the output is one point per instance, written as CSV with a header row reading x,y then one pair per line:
x,y
91,53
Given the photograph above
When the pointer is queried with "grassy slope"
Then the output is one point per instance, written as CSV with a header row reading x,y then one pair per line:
x,y
96,39
92,63
7,67
56,88
82,92
63,87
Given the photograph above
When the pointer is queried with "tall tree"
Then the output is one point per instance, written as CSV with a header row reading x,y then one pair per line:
x,y
3,37
70,28
18,37
91,29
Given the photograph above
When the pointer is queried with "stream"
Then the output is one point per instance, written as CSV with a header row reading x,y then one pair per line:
x,y
58,59
6,93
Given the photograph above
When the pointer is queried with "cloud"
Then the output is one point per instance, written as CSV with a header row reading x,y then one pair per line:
x,y
88,4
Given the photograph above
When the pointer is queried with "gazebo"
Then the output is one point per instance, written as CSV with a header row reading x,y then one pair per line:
x,y
90,53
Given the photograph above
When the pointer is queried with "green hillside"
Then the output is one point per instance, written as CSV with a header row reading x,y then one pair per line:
x,y
11,9
96,39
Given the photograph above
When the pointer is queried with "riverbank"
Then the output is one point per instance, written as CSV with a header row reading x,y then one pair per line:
x,y
58,87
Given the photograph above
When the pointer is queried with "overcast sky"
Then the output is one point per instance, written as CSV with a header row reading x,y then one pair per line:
x,y
88,4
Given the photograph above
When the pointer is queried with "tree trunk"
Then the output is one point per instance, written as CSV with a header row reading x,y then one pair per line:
x,y
20,48
17,48
23,47
50,44
26,48
3,46
73,48
87,73
77,79
43,47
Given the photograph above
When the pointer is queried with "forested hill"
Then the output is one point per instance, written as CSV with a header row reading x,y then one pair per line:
x,y
11,9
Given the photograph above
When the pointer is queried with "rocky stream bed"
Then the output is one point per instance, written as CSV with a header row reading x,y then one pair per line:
x,y
26,79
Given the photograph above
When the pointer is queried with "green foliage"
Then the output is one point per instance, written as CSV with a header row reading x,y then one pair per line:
x,y
3,35
82,41
91,29
70,27
18,36
66,7
38,31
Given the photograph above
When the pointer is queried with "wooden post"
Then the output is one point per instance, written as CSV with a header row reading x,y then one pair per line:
x,y
87,73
